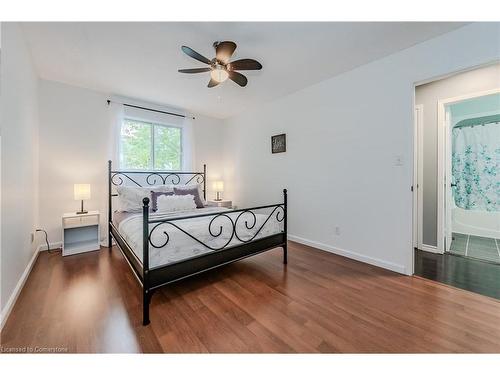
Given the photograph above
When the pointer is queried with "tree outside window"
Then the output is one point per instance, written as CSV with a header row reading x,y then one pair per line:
x,y
150,146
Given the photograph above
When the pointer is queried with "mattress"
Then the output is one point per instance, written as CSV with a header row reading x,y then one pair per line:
x,y
179,246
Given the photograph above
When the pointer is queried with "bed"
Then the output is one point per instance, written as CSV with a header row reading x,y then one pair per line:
x,y
165,247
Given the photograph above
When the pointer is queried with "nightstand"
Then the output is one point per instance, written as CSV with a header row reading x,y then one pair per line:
x,y
80,232
222,203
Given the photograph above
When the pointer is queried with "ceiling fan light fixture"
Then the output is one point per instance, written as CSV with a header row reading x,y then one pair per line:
x,y
220,67
219,74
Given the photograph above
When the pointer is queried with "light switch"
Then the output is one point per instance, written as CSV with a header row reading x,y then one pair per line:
x,y
398,160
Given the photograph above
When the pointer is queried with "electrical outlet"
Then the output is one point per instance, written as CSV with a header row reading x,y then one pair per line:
x,y
398,160
337,231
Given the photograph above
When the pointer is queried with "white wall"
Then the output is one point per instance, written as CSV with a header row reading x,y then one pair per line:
x,y
428,95
209,149
19,165
75,146
343,137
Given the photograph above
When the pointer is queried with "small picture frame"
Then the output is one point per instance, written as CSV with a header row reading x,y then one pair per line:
x,y
278,143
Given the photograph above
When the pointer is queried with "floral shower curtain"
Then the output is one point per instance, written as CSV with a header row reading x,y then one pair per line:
x,y
475,166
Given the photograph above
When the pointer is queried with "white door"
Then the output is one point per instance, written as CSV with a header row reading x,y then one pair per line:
x,y
448,180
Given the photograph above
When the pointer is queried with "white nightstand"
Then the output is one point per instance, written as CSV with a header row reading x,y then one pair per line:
x,y
80,232
222,203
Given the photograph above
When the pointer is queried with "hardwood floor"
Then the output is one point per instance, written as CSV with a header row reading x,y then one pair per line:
x,y
319,302
462,272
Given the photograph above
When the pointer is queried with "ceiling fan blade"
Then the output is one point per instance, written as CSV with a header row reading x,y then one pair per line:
x,y
195,70
224,51
239,78
244,64
212,83
195,55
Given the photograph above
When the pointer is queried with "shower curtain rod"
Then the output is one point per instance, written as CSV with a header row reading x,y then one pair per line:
x,y
149,109
478,121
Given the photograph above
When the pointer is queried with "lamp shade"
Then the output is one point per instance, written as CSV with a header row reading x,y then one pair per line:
x,y
82,192
219,185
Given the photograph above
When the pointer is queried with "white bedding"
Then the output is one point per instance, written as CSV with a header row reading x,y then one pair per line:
x,y
180,246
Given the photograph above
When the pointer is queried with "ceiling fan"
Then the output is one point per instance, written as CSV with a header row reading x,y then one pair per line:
x,y
220,68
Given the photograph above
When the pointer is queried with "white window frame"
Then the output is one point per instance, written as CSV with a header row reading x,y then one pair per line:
x,y
153,124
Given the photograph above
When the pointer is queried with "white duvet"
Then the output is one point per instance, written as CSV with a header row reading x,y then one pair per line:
x,y
180,246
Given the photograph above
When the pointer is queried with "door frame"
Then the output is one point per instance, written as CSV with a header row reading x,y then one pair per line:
x,y
443,135
418,171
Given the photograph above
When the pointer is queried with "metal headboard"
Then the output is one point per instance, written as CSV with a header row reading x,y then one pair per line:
x,y
152,178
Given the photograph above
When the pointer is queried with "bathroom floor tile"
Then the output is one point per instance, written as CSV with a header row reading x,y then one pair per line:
x,y
458,244
483,248
482,242
477,247
460,236
484,253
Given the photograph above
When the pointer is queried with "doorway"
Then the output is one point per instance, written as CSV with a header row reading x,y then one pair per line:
x,y
456,189
471,180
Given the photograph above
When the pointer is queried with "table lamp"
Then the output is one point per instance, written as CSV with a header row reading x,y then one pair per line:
x,y
82,192
219,188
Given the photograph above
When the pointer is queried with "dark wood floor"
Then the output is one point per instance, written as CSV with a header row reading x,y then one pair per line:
x,y
319,302
462,272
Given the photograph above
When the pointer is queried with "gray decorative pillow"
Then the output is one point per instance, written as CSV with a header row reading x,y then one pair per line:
x,y
194,191
154,198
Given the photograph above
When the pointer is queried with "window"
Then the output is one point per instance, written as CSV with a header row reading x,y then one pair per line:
x,y
150,146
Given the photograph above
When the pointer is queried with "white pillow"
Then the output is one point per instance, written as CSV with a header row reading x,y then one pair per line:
x,y
169,203
130,197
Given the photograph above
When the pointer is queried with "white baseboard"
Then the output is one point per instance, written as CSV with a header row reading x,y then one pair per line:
x,y
53,245
58,245
429,248
350,254
17,290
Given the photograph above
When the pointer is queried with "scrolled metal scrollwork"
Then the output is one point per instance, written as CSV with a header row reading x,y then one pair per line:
x,y
282,212
198,178
222,215
175,179
155,176
216,229
277,209
210,230
117,180
167,238
252,216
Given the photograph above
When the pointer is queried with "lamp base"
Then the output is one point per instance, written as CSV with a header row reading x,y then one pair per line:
x,y
82,211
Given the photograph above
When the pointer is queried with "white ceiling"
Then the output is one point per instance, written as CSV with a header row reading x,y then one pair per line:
x,y
140,60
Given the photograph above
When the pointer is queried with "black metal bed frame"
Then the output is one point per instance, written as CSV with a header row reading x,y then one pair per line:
x,y
151,279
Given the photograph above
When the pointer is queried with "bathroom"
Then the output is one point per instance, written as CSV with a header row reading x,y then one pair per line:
x,y
475,177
